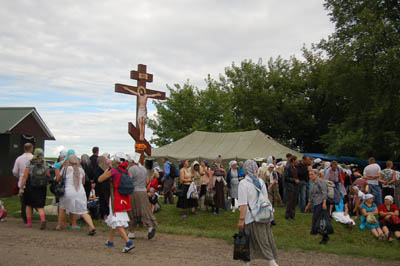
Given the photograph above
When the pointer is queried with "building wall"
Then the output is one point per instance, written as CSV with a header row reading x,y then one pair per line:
x,y
11,146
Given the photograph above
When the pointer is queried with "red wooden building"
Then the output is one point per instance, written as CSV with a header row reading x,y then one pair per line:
x,y
18,125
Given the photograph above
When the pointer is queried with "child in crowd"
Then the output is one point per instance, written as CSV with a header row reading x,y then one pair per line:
x,y
93,202
3,212
153,198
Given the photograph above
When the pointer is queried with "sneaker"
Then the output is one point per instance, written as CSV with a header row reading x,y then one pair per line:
x,y
323,242
43,225
28,225
131,236
128,247
92,232
109,244
77,227
151,234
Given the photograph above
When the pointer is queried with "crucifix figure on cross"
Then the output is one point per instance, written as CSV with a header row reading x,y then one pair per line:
x,y
142,112
143,94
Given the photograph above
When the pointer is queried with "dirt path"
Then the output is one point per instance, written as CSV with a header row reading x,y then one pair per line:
x,y
30,246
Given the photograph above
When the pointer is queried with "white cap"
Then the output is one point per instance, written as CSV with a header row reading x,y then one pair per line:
x,y
318,160
388,197
119,155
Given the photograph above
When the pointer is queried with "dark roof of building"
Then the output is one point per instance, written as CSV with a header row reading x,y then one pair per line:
x,y
15,118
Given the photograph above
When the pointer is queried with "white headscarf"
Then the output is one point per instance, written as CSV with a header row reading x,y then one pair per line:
x,y
231,163
251,168
368,196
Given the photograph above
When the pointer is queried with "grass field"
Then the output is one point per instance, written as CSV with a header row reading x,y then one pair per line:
x,y
288,235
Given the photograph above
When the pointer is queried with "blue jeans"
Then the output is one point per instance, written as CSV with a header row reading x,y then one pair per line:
x,y
376,191
304,192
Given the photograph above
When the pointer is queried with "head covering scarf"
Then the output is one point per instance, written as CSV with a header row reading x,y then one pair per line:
x,y
206,163
74,162
368,196
38,154
102,162
240,163
388,197
85,159
251,168
231,163
69,153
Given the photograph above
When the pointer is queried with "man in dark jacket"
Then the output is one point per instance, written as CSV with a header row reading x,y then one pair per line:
x,y
291,188
93,162
304,185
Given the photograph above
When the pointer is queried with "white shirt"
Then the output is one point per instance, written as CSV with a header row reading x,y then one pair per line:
x,y
20,166
372,170
248,195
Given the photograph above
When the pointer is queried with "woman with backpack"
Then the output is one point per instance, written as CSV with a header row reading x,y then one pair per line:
x,y
262,244
118,218
34,187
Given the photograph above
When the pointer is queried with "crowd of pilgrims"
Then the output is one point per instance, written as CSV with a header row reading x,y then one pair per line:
x,y
91,192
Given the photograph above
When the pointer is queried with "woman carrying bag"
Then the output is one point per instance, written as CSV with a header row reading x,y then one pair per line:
x,y
318,199
262,244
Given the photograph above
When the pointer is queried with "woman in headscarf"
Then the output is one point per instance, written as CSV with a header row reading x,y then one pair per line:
x,y
241,170
74,199
102,189
205,181
318,199
186,178
217,178
35,196
85,163
262,244
368,217
389,218
232,181
196,171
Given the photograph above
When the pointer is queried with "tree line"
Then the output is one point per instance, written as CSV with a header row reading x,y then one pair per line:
x,y
342,97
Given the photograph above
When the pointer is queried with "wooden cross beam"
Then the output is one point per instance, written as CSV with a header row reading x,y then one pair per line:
x,y
143,94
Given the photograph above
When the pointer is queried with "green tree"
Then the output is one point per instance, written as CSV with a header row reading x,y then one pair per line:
x,y
364,56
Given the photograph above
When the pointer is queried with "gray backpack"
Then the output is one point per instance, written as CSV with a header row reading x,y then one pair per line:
x,y
38,175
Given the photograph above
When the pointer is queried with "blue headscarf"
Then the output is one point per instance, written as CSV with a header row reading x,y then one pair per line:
x,y
251,168
69,153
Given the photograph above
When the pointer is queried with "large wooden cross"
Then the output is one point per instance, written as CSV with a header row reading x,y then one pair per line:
x,y
142,93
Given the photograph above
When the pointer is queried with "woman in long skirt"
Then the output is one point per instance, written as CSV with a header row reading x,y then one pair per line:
x,y
262,244
218,183
186,178
319,197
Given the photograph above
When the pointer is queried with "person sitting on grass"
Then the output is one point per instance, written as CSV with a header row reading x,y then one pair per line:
x,y
153,198
341,213
356,198
389,218
368,219
3,212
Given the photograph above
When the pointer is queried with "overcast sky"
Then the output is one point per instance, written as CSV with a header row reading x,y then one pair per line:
x,y
64,57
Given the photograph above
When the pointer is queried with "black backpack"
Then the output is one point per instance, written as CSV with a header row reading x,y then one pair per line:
x,y
173,171
38,175
125,184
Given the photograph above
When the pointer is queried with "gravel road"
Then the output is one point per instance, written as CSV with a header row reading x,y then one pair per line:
x,y
30,246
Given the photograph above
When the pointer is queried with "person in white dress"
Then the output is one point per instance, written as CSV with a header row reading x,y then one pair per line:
x,y
74,199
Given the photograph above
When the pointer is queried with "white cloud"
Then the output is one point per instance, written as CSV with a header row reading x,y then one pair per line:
x,y
81,49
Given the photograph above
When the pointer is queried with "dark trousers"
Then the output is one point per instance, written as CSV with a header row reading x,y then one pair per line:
x,y
168,195
291,199
103,192
23,208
